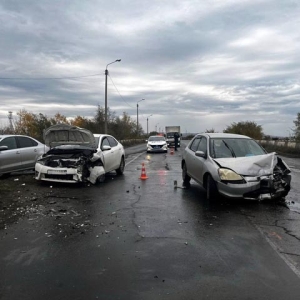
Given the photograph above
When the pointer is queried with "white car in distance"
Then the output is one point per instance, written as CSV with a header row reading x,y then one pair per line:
x,y
157,143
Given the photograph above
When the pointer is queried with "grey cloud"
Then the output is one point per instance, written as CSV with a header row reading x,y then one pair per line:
x,y
183,57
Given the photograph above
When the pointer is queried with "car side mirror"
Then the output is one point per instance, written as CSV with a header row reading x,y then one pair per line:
x,y
2,148
200,154
105,148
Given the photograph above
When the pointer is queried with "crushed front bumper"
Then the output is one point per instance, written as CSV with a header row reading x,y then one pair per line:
x,y
67,175
257,188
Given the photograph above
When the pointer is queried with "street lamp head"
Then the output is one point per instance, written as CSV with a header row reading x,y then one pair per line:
x,y
117,60
140,100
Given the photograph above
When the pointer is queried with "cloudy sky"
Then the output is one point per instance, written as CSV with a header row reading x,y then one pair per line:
x,y
197,63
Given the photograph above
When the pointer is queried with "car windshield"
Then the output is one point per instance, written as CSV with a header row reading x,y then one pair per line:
x,y
156,138
231,147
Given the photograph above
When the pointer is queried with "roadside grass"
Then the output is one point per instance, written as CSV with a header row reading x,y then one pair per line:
x,y
129,143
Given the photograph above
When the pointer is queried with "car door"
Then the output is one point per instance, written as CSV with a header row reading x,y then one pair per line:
x,y
116,152
108,155
10,159
200,162
190,158
28,149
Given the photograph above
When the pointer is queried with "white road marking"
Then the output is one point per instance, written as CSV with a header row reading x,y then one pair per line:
x,y
134,159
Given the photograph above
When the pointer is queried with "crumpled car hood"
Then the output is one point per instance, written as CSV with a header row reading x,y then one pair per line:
x,y
251,165
64,134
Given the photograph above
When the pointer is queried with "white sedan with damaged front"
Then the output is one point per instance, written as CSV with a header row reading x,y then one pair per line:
x,y
77,155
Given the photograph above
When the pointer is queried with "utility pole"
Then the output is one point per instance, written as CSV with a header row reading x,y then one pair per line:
x,y
147,123
137,116
106,73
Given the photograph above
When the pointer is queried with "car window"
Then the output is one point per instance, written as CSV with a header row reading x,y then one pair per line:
x,y
112,141
10,142
25,142
105,142
202,145
195,143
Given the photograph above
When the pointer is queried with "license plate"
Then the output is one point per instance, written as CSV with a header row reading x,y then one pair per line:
x,y
61,172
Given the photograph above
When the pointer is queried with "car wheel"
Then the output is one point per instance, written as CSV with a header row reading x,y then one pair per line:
x,y
5,175
101,178
121,168
185,177
211,188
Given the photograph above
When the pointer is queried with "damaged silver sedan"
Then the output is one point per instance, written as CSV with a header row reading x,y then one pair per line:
x,y
234,166
77,155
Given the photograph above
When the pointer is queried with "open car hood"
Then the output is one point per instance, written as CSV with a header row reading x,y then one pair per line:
x,y
257,165
64,134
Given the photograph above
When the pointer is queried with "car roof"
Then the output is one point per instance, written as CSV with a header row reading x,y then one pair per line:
x,y
9,135
224,135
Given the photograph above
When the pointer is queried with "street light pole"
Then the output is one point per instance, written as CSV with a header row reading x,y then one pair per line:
x,y
147,123
137,116
106,73
156,127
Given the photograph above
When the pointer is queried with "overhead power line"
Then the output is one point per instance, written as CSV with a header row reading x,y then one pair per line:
x,y
119,92
47,78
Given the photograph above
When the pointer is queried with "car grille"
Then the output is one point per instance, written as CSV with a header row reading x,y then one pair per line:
x,y
156,146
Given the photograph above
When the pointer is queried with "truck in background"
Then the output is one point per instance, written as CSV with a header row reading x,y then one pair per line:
x,y
170,131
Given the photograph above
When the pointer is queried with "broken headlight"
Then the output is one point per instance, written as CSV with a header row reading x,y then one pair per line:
x,y
41,162
229,175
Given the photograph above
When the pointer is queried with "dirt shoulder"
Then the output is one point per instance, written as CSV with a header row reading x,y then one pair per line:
x,y
21,196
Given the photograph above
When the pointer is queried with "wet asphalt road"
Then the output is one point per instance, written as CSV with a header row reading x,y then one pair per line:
x,y
145,239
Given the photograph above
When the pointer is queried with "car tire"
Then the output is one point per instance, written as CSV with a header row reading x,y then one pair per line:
x,y
185,177
211,188
121,168
4,175
101,178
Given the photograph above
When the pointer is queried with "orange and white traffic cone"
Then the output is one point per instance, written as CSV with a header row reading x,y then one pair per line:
x,y
172,151
143,174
